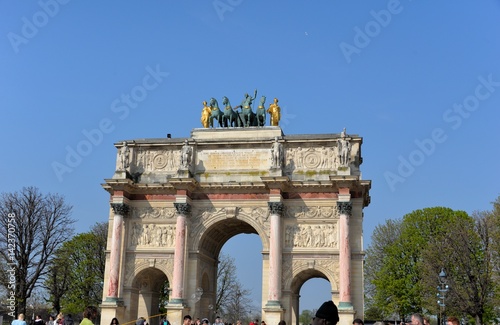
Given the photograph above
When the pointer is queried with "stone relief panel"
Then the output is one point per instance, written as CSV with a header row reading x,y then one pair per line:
x,y
326,158
291,267
151,235
311,158
153,213
311,236
318,212
134,265
200,215
159,160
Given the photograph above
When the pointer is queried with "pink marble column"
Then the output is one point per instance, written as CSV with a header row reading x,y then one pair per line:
x,y
345,255
183,210
276,210
120,210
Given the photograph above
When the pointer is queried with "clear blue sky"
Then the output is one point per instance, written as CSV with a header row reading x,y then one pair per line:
x,y
418,80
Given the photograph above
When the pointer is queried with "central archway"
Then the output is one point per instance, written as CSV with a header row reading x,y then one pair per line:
x,y
205,254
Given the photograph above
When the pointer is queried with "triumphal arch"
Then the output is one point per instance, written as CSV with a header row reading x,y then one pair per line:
x,y
176,201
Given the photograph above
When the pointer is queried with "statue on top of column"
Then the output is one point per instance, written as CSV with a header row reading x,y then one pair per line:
x,y
186,155
205,115
344,149
275,111
276,154
124,156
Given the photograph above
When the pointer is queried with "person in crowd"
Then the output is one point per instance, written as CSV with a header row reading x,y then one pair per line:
x,y
51,320
417,319
68,320
187,320
357,321
89,315
59,319
20,320
282,322
218,321
452,320
38,320
327,314
427,321
114,321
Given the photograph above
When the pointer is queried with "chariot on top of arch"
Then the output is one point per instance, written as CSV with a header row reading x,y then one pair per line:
x,y
228,117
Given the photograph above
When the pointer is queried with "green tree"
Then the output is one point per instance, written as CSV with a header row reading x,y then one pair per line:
x,y
467,256
376,254
397,277
306,316
82,260
32,227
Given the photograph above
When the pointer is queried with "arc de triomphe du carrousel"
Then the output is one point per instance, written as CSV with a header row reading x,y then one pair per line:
x,y
176,201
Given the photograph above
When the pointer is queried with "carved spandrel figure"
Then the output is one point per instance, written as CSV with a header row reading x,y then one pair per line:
x,y
186,155
277,154
124,156
344,149
205,115
275,111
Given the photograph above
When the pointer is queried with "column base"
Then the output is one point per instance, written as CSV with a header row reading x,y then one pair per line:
x,y
113,301
273,313
176,309
273,304
176,302
345,306
275,171
112,307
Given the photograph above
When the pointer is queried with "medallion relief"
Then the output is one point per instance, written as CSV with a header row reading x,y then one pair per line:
x,y
158,160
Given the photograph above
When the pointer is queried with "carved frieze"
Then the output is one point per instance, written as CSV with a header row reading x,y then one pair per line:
x,y
311,236
318,212
147,160
151,235
152,212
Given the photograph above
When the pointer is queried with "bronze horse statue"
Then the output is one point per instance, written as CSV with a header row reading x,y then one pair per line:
x,y
216,113
261,112
230,117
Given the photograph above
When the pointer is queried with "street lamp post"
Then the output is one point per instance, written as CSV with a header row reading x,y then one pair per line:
x,y
442,290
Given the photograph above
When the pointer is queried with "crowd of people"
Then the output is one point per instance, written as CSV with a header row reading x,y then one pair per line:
x,y
90,314
327,314
188,320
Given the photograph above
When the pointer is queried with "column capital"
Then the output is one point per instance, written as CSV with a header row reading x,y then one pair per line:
x,y
183,208
276,207
120,208
344,207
